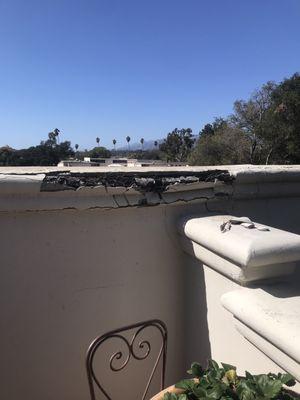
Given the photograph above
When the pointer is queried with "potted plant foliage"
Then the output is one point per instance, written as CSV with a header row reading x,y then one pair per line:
x,y
223,383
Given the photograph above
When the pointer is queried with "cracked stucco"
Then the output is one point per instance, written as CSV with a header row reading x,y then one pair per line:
x,y
65,190
37,189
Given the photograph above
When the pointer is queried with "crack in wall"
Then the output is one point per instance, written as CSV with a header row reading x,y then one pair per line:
x,y
141,203
91,288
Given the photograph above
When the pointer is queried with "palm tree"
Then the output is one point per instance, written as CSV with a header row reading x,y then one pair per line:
x,y
56,134
142,143
128,140
97,140
114,143
76,148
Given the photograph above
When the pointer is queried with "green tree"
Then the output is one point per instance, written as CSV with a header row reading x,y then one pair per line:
x,y
208,129
6,155
154,154
271,120
284,146
178,144
226,145
52,139
254,118
99,152
48,152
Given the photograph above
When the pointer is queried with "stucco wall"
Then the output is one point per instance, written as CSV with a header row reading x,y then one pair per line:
x,y
70,275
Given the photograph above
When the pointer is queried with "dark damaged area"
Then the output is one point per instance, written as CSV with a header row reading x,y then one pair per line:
x,y
157,182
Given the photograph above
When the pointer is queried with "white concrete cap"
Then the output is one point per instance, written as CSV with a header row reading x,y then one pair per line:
x,y
270,319
241,253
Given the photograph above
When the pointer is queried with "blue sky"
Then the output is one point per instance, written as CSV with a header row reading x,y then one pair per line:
x,y
112,68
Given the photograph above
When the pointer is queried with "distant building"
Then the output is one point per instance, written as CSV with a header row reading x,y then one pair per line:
x,y
116,162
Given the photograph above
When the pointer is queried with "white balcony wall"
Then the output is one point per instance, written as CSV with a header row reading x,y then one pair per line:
x,y
70,273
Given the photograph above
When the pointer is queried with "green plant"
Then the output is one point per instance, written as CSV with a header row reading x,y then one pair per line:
x,y
223,383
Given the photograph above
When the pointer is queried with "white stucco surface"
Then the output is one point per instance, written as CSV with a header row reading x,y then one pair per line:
x,y
78,263
242,254
226,343
245,247
272,313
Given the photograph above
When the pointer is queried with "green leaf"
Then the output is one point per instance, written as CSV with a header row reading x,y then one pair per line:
x,y
217,391
248,375
182,397
212,376
246,395
287,379
287,395
274,376
199,392
205,382
185,384
245,390
228,367
267,386
196,370
200,398
214,372
213,365
175,396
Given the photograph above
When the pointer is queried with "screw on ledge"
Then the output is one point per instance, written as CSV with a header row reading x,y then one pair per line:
x,y
243,221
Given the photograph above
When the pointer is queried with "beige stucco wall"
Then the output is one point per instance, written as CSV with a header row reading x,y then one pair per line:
x,y
70,275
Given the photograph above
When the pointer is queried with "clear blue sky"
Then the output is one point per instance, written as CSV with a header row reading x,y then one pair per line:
x,y
112,68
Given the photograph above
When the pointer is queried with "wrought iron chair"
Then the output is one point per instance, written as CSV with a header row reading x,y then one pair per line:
x,y
133,344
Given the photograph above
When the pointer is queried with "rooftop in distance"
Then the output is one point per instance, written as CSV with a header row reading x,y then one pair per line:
x,y
117,162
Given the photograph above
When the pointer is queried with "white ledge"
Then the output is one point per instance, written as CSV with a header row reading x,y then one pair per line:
x,y
266,172
242,254
270,319
22,188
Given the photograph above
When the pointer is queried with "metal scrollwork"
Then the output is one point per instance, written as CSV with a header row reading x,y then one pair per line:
x,y
137,347
119,355
143,345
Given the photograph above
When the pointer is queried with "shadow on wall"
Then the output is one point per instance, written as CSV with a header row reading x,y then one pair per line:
x,y
284,290
196,335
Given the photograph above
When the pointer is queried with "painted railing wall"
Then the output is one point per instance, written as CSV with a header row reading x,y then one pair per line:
x,y
77,263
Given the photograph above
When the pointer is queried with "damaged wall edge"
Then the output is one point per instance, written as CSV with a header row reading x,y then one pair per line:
x,y
156,182
110,188
62,190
